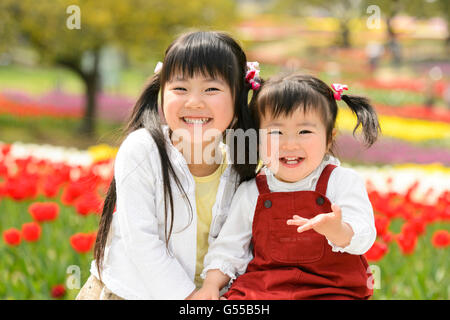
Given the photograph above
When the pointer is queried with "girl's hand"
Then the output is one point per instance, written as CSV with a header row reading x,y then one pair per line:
x,y
189,297
328,224
206,293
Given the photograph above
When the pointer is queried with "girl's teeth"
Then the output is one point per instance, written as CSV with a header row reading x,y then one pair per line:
x,y
291,160
196,120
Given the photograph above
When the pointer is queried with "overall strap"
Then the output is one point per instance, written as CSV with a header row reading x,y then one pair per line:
x,y
322,183
261,183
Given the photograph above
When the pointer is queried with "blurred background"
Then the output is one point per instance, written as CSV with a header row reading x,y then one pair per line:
x,y
71,71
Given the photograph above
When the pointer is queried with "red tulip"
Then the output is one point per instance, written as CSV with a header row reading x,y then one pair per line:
x,y
12,237
72,192
3,169
62,171
419,224
5,148
387,237
88,203
31,231
376,252
75,189
44,211
381,224
407,241
58,291
22,186
51,186
445,213
82,242
441,239
430,213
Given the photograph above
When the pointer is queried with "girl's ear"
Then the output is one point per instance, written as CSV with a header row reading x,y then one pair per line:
x,y
333,137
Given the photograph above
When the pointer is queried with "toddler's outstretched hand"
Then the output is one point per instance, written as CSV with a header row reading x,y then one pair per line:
x,y
328,224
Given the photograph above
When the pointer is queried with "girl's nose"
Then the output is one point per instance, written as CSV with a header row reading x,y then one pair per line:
x,y
290,144
194,102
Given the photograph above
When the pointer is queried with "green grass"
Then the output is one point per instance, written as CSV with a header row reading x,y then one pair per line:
x,y
41,79
55,131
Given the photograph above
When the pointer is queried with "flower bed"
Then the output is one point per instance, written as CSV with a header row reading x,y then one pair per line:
x,y
413,130
389,151
50,199
60,104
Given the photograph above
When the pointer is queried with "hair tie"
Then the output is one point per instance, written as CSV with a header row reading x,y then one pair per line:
x,y
339,88
252,75
158,67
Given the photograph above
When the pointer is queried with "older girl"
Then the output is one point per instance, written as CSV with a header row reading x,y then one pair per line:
x,y
170,206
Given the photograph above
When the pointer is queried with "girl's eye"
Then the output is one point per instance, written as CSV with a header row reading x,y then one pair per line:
x,y
305,131
211,89
179,89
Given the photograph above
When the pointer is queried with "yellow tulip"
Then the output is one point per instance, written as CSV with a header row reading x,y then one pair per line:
x,y
102,152
414,130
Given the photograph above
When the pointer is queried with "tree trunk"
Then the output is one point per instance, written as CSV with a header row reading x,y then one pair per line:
x,y
447,41
392,43
345,34
91,81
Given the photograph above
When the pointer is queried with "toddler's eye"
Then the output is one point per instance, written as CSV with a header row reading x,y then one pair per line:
x,y
212,89
305,131
179,89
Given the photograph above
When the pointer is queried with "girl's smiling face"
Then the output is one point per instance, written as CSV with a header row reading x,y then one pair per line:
x,y
293,146
198,102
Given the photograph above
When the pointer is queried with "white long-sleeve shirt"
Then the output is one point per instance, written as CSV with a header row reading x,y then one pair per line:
x,y
136,262
231,251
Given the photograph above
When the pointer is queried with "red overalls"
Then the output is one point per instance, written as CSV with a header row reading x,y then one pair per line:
x,y
292,265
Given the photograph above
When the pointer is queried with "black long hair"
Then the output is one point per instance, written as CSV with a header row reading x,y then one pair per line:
x,y
283,94
210,53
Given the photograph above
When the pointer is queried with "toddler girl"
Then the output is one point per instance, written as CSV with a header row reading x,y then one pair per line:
x,y
300,229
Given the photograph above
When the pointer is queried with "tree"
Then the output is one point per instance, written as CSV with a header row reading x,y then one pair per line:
x,y
416,8
342,10
70,32
434,8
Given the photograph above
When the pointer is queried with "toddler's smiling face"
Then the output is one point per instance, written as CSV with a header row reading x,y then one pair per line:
x,y
293,146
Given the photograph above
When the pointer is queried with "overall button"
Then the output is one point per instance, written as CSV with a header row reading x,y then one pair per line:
x,y
267,204
320,201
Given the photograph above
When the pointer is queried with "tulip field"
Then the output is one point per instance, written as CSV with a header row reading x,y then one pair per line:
x,y
51,196
50,201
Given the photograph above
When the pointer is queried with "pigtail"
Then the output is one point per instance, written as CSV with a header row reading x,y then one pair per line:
x,y
366,116
246,122
146,105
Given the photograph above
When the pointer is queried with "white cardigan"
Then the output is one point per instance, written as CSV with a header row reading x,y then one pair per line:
x,y
231,252
136,262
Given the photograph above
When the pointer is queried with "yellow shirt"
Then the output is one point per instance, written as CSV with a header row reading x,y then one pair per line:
x,y
205,197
